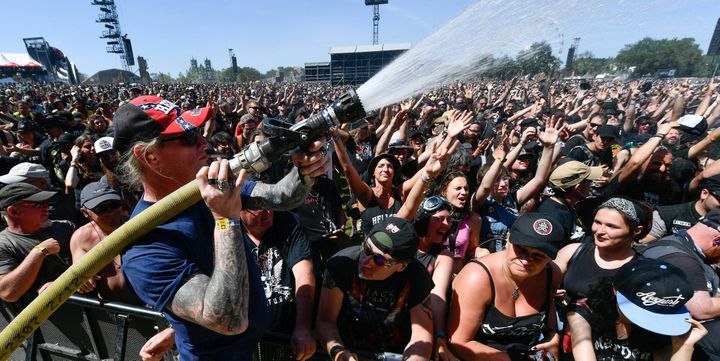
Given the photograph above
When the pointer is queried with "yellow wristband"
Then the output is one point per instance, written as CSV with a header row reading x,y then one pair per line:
x,y
42,250
227,223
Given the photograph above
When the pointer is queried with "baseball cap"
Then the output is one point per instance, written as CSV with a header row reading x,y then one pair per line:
x,y
17,192
97,192
399,144
538,230
652,294
572,173
396,237
712,219
712,184
103,144
26,126
693,124
22,171
147,117
607,131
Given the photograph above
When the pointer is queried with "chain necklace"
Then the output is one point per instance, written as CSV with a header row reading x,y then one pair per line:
x,y
516,290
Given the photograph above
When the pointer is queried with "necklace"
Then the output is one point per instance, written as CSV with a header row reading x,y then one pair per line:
x,y
516,291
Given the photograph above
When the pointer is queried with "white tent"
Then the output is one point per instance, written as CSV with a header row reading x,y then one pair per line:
x,y
17,60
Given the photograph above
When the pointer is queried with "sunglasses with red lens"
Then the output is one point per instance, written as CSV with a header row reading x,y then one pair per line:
x,y
189,138
379,260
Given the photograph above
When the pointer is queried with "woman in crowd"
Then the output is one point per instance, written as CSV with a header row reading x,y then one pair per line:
x,y
84,167
464,237
494,199
432,223
618,223
502,304
616,324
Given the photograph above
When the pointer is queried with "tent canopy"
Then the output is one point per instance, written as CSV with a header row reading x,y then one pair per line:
x,y
18,60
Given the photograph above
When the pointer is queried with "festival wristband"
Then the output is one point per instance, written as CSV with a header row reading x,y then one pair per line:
x,y
42,250
227,223
336,351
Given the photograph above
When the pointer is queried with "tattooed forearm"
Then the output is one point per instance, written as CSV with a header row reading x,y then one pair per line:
x,y
287,194
328,281
219,302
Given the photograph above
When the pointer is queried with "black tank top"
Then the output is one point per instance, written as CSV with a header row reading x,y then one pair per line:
x,y
583,272
375,214
498,330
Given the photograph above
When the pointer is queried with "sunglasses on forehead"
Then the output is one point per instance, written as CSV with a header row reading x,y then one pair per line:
x,y
188,138
106,207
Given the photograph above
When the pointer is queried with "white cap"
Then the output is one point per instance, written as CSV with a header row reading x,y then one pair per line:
x,y
21,172
103,144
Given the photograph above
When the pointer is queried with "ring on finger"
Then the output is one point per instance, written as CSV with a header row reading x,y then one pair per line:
x,y
212,181
223,184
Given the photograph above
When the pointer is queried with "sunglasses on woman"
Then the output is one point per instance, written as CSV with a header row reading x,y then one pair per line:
x,y
379,260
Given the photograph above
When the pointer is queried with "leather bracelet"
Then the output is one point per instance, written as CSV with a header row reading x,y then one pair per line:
x,y
227,223
659,135
336,351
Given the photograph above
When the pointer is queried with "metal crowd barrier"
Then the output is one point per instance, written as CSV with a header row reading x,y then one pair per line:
x,y
87,328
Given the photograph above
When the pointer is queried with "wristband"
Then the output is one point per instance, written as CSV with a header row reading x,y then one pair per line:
x,y
708,94
659,135
441,334
42,250
227,223
336,351
499,159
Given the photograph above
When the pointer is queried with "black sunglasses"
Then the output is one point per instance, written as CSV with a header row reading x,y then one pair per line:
x,y
189,138
379,260
106,207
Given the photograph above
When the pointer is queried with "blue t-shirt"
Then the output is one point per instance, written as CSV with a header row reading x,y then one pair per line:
x,y
161,261
497,218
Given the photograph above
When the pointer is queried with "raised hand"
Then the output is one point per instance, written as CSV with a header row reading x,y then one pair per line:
x,y
457,122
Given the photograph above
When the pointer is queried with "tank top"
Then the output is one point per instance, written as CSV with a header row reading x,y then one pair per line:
x,y
498,330
375,214
462,238
583,272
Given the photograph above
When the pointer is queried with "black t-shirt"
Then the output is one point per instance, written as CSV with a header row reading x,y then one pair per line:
x,y
281,248
319,212
375,315
655,194
572,142
583,154
679,216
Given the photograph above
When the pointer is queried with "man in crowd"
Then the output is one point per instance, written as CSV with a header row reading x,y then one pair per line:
x,y
376,296
598,151
33,252
694,251
282,249
205,281
101,205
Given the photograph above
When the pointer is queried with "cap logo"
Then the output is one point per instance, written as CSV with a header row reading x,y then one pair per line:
x,y
164,106
184,124
649,299
542,227
104,144
195,112
392,228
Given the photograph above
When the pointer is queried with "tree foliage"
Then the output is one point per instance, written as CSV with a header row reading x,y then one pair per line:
x,y
649,56
587,63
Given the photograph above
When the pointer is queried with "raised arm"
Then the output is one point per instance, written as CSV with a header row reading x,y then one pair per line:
x,y
548,138
634,165
358,187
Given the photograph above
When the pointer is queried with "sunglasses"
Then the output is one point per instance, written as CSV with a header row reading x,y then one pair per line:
x,y
105,207
435,203
379,260
188,138
594,125
254,107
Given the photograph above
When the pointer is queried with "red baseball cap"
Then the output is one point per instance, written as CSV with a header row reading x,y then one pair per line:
x,y
147,117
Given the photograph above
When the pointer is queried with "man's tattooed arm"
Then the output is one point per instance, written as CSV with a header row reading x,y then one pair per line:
x,y
219,302
285,195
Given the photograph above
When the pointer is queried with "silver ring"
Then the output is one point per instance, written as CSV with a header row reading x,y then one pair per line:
x,y
223,184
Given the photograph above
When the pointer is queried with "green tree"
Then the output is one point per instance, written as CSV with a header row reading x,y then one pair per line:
x,y
162,77
649,55
538,59
587,63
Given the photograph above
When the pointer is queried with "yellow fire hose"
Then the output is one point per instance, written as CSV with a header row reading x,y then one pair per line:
x,y
60,290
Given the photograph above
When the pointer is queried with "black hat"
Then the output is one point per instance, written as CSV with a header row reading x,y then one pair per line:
x,y
529,122
396,237
26,126
390,158
17,192
538,230
67,138
358,124
646,87
652,294
607,131
416,134
712,219
52,121
97,192
712,184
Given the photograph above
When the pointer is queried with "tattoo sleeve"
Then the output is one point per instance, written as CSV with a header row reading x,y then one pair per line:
x,y
285,195
219,302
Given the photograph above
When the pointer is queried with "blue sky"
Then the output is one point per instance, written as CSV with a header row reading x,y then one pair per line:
x,y
271,33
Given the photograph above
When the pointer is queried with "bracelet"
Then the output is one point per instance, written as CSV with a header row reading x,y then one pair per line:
x,y
425,177
336,351
659,135
499,159
227,223
42,250
73,164
708,94
441,334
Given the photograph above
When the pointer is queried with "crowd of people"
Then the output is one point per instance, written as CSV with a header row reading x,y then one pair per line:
x,y
483,220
